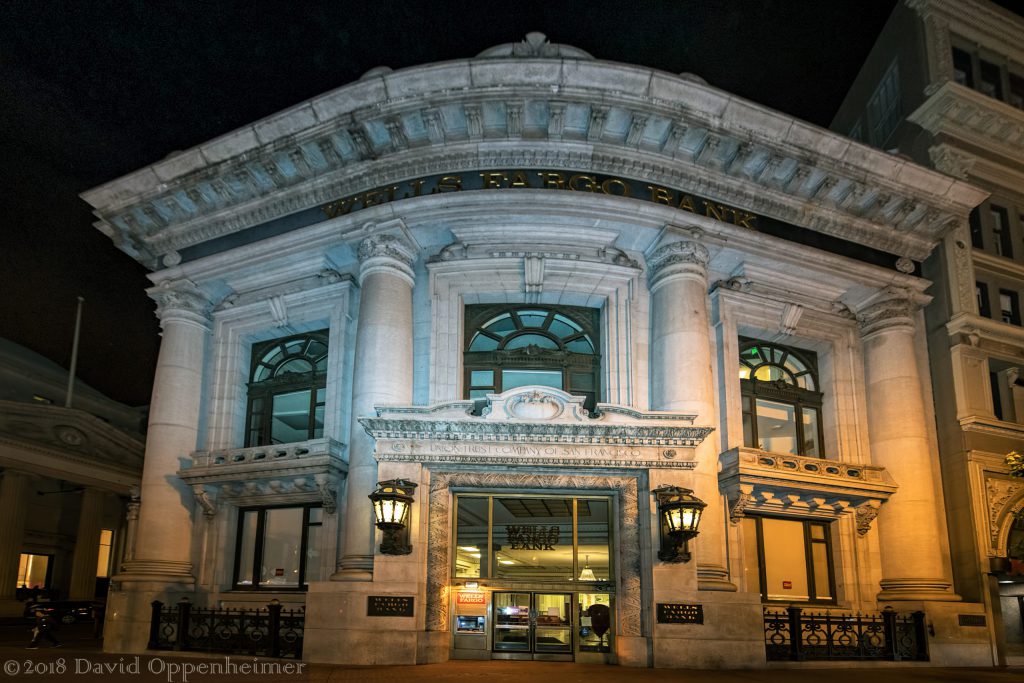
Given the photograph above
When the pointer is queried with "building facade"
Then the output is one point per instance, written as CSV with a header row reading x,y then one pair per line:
x,y
944,85
68,478
533,291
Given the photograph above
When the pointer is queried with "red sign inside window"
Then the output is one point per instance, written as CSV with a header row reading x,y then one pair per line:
x,y
278,571
470,599
787,585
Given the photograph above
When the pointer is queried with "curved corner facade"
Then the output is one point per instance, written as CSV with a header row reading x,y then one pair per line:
x,y
539,288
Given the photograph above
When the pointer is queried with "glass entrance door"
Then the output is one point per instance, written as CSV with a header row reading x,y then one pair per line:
x,y
533,626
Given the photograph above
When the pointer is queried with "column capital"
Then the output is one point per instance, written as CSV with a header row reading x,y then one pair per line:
x,y
181,301
891,309
678,259
386,253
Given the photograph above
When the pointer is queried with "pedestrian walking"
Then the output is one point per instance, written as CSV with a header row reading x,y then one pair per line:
x,y
43,629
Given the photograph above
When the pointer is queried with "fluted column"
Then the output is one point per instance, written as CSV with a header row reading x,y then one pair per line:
x,y
13,512
681,381
909,524
87,543
383,374
163,551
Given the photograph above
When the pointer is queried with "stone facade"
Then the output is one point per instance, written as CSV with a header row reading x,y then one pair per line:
x,y
682,222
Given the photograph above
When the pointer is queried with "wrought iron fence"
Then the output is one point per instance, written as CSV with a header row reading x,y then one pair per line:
x,y
269,632
791,634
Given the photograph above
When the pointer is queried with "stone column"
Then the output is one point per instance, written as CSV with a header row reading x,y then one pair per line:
x,y
14,491
87,543
131,525
163,548
382,374
909,524
682,381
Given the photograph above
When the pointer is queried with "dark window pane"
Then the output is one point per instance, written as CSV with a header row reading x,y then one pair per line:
x,y
962,72
1001,231
247,547
991,81
997,400
282,542
532,318
1009,307
1016,91
471,537
582,381
510,379
776,426
581,345
501,325
540,341
810,425
981,290
482,378
975,220
482,342
290,419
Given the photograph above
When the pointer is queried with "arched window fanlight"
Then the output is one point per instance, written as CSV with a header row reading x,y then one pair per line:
x,y
781,399
287,389
512,346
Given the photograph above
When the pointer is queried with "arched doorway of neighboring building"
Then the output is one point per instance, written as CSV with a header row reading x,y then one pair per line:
x,y
1011,589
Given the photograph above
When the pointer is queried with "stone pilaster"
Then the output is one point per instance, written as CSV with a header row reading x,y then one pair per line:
x,y
163,552
382,374
13,512
87,542
131,524
682,381
909,524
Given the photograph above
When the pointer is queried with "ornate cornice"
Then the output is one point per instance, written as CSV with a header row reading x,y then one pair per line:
x,y
360,138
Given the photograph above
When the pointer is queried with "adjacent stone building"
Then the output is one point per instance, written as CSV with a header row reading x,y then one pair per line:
x,y
534,290
944,85
68,478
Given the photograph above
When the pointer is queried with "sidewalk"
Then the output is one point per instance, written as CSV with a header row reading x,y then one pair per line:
x,y
77,662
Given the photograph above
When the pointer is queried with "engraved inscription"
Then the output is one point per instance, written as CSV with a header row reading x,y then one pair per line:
x,y
680,613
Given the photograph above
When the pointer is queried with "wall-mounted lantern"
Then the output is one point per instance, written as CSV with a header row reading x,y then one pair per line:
x,y
679,514
391,504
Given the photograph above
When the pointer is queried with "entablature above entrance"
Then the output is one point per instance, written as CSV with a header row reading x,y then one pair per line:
x,y
534,425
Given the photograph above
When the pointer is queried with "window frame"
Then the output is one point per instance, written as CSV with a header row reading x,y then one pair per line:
x,y
259,412
258,546
808,559
1014,312
752,389
477,316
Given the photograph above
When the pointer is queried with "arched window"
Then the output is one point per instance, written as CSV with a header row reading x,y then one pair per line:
x,y
513,346
781,400
287,391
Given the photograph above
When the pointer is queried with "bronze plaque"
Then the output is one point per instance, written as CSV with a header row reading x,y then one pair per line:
x,y
971,619
680,613
389,606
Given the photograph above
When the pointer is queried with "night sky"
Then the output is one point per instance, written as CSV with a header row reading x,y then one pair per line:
x,y
91,90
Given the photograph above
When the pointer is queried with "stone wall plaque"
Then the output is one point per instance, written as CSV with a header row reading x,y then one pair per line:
x,y
389,606
971,620
680,613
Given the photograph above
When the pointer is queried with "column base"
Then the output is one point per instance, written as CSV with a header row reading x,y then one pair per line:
x,y
917,590
156,571
11,607
713,577
354,568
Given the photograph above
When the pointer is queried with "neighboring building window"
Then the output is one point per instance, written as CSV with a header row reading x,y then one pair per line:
x,y
997,394
277,548
791,560
990,80
857,132
33,571
508,347
287,390
884,106
976,238
1016,97
781,400
1009,307
981,290
104,558
1001,231
963,69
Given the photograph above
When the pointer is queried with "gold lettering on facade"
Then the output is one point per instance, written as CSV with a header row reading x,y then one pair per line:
x,y
589,182
494,180
554,181
519,179
661,195
607,186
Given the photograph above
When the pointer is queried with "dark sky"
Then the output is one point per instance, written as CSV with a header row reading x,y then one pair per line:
x,y
91,90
